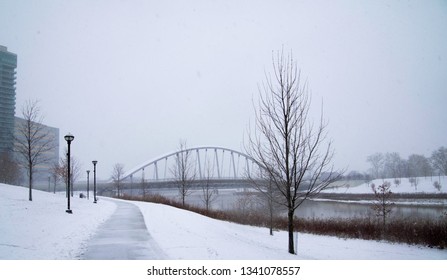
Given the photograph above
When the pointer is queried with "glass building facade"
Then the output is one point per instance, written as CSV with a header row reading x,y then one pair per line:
x,y
8,65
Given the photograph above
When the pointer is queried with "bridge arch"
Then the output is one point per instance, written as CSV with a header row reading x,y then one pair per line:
x,y
216,163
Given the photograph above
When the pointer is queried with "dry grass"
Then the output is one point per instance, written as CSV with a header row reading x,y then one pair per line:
x,y
432,233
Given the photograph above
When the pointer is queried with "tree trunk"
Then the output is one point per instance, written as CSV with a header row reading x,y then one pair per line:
x,y
290,227
183,196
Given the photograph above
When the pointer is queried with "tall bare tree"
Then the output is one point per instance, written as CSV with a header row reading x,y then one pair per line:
x,y
61,170
272,195
439,160
32,141
209,193
117,176
394,165
376,160
419,166
292,151
183,171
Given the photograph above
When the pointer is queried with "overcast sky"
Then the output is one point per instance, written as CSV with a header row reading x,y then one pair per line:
x,y
129,79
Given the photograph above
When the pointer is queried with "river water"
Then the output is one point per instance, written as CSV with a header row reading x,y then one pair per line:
x,y
236,198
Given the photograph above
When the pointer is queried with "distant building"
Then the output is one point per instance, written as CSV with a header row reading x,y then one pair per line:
x,y
8,65
9,124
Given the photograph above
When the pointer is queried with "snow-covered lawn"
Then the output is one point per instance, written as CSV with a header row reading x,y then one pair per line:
x,y
42,230
185,235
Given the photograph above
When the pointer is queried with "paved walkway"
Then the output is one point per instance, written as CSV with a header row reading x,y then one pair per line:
x,y
123,236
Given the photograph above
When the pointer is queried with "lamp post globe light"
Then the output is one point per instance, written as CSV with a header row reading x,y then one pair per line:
x,y
69,138
94,180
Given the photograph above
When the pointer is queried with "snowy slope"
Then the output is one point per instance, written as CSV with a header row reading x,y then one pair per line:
x,y
185,235
425,185
42,230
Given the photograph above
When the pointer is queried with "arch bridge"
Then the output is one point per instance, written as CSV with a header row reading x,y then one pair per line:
x,y
213,164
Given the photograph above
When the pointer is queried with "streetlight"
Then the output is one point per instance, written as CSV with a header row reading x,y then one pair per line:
x,y
88,184
94,180
68,138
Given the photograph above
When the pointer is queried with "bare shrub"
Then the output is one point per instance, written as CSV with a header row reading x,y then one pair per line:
x,y
437,186
382,205
414,181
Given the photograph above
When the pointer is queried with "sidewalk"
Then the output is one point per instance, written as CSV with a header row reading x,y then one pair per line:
x,y
123,236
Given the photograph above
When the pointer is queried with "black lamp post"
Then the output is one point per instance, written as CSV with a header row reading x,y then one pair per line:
x,y
68,138
94,180
88,184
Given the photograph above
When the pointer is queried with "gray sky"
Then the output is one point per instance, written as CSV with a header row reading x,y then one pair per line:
x,y
129,79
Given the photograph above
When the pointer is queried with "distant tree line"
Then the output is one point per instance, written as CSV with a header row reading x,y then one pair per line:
x,y
392,165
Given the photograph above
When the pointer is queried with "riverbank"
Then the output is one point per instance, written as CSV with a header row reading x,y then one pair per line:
x,y
42,230
413,231
420,186
420,199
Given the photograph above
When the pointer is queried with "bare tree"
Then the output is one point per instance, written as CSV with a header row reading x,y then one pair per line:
x,y
209,194
393,165
32,141
437,185
9,169
382,205
247,204
117,176
271,196
55,175
439,160
418,166
293,152
376,160
61,170
183,171
144,186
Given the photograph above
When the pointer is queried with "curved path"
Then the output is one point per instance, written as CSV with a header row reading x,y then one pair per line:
x,y
123,236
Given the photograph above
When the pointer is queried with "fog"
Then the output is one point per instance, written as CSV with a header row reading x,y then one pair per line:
x,y
129,79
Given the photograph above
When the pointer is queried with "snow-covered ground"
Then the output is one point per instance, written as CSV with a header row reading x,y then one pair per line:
x,y
424,185
42,230
186,235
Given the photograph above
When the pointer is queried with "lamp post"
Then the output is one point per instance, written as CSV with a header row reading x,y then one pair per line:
x,y
88,184
68,138
94,180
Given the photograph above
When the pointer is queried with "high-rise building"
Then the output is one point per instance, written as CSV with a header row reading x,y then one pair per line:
x,y
8,65
9,124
